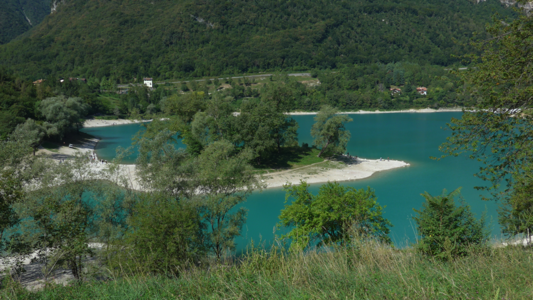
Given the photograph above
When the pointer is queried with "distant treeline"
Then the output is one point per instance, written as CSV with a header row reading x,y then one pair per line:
x,y
351,87
176,39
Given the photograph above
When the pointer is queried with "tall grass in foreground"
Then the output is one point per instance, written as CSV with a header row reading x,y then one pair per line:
x,y
372,271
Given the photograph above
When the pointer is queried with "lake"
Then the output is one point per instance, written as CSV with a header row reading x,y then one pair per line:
x,y
411,137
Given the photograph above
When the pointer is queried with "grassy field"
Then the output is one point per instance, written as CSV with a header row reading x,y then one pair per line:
x,y
290,158
369,271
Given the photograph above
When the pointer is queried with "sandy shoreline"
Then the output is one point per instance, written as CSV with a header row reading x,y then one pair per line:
x,y
362,112
103,123
343,169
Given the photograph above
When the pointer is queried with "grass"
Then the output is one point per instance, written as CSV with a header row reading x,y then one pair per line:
x,y
50,146
289,158
368,271
109,100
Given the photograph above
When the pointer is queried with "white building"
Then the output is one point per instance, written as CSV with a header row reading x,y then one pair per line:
x,y
148,82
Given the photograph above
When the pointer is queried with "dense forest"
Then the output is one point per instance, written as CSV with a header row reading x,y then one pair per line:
x,y
174,39
18,16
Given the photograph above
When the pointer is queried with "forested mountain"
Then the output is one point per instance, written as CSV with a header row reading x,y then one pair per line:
x,y
127,39
18,16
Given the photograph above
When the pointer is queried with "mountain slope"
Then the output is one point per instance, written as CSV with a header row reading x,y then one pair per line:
x,y
174,38
18,16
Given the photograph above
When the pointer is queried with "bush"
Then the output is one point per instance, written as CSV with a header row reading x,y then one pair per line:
x,y
163,238
448,231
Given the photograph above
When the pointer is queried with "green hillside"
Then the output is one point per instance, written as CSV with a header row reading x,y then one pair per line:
x,y
18,16
170,39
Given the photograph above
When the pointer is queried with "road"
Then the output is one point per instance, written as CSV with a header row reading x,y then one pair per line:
x,y
122,86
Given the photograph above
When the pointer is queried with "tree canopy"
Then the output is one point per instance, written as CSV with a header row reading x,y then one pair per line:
x,y
498,130
63,115
329,132
335,215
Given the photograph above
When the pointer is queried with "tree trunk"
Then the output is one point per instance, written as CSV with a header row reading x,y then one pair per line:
x,y
74,269
323,148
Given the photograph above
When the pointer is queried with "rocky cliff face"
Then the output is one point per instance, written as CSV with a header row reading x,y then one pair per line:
x,y
55,4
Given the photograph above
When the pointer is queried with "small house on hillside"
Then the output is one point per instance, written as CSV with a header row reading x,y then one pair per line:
x,y
395,90
422,90
38,81
148,82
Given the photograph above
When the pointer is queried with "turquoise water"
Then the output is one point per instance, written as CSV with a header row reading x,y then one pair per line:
x,y
410,137
114,136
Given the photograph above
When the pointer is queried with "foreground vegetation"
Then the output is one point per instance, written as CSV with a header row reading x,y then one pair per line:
x,y
362,271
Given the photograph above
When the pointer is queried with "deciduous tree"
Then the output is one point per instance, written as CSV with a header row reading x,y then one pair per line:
x,y
63,115
333,216
498,129
224,180
329,131
31,132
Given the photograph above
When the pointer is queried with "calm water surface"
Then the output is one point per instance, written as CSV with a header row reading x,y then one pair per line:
x,y
411,137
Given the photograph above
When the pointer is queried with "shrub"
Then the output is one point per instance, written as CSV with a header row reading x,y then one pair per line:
x,y
163,238
448,231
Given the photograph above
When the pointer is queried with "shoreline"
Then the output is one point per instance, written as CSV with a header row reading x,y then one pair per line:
x,y
339,170
363,112
92,123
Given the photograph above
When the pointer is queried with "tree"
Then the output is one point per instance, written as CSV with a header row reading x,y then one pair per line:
x,y
448,231
333,216
285,131
497,129
63,115
256,126
184,106
162,167
516,211
58,221
329,131
216,180
224,180
14,153
30,131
